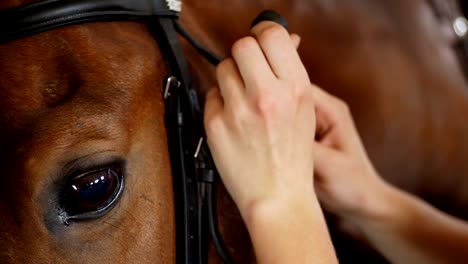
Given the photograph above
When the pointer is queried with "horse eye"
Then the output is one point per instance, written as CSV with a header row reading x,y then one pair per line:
x,y
92,194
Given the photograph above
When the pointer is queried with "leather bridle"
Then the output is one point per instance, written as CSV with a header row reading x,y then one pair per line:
x,y
194,173
193,170
449,11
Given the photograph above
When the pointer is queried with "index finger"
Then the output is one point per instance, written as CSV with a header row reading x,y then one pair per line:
x,y
280,51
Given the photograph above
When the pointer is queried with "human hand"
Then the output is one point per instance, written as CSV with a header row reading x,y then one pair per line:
x,y
346,182
255,119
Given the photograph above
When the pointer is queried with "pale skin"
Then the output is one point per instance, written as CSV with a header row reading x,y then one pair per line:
x,y
402,227
281,145
263,149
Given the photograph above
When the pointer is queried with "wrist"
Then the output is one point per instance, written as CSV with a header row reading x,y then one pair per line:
x,y
280,207
289,229
276,197
378,208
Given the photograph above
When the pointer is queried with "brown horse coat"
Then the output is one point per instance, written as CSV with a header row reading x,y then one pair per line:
x,y
93,91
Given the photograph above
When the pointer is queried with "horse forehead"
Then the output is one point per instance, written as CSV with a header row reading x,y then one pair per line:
x,y
62,91
111,64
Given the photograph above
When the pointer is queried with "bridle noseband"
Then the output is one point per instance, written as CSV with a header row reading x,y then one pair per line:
x,y
192,167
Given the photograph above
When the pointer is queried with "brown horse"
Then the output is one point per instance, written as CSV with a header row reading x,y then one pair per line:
x,y
85,99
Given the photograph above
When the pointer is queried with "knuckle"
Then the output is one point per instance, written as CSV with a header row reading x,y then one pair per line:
x,y
242,111
243,44
224,67
212,123
272,33
239,117
302,90
266,103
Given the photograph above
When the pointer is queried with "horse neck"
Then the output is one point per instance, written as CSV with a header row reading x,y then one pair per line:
x,y
218,24
322,24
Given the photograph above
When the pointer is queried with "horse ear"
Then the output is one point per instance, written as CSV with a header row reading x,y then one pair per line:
x,y
270,15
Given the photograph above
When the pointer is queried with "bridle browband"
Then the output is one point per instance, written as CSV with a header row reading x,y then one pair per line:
x,y
192,167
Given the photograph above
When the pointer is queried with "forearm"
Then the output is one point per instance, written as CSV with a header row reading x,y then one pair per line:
x,y
405,229
289,232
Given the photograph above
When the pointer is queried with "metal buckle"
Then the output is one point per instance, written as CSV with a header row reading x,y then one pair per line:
x,y
174,5
199,145
171,81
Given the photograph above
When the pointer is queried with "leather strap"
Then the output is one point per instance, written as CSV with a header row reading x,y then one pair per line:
x,y
51,14
183,126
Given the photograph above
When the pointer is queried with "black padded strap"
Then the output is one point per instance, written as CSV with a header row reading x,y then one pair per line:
x,y
206,53
184,128
270,15
51,14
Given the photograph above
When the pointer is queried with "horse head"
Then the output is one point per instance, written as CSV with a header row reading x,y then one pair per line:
x,y
83,105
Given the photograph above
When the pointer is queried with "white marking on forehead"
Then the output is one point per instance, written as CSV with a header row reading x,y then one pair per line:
x,y
174,5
